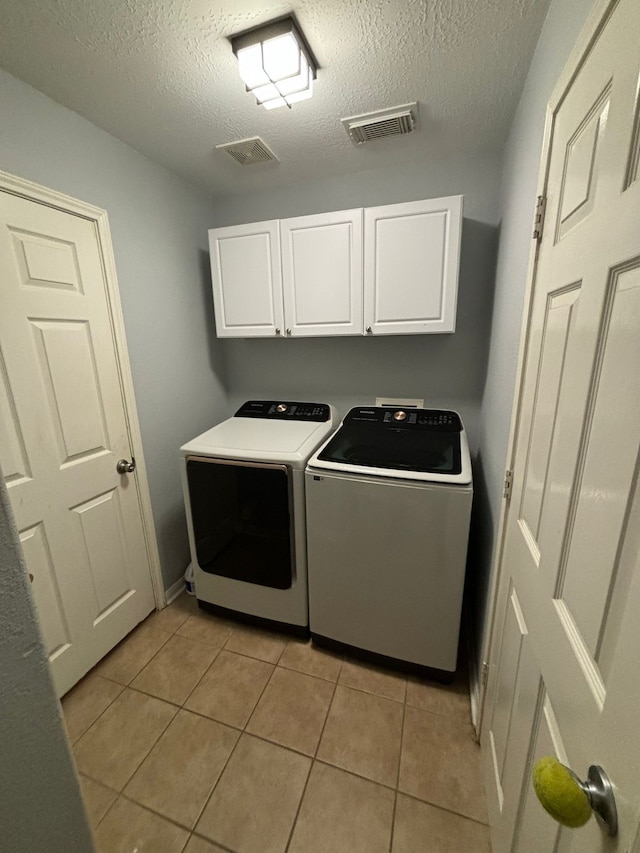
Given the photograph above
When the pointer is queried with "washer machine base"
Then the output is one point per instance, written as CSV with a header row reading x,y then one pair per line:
x,y
440,675
250,619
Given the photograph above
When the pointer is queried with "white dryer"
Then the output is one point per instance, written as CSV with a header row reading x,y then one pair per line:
x,y
388,509
243,486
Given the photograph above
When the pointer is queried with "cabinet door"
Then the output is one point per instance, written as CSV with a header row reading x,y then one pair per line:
x,y
246,277
411,260
322,273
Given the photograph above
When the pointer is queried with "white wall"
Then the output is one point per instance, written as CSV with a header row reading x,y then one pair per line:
x,y
40,806
564,21
158,226
445,370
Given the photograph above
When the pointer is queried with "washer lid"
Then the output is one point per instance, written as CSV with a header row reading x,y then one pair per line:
x,y
416,444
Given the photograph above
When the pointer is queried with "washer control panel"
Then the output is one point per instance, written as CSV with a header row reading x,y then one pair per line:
x,y
284,410
440,420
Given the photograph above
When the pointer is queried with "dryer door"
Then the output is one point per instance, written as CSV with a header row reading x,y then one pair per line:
x,y
242,519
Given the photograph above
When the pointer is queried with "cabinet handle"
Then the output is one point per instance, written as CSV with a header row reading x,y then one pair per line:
x,y
277,331
289,332
368,330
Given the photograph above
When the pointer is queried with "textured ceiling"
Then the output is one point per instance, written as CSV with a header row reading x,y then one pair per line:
x,y
160,75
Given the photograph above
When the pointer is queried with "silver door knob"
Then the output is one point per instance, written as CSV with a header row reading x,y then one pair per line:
x,y
570,801
368,330
277,331
289,331
123,466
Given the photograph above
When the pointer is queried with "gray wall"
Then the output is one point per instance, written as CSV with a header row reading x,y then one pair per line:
x,y
40,806
158,226
445,370
518,191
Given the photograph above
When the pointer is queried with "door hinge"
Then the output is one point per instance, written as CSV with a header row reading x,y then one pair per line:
x,y
508,483
485,673
538,219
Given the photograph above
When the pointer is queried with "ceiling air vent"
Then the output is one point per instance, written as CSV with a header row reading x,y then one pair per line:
x,y
395,121
249,151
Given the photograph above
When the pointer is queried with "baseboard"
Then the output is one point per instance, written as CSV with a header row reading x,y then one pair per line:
x,y
173,591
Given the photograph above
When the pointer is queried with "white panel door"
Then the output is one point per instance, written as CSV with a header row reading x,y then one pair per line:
x,y
322,273
411,259
564,676
247,281
62,430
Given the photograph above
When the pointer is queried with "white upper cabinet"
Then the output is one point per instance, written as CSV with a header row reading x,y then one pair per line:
x,y
246,277
411,255
388,270
322,273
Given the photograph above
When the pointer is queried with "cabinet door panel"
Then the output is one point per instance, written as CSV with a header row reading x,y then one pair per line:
x,y
411,266
322,273
246,278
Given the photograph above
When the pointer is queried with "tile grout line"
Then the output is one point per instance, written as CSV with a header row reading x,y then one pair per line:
x,y
199,681
78,739
313,758
235,746
121,792
168,607
262,692
124,687
146,755
204,838
329,706
203,716
353,773
155,812
444,809
179,705
149,662
153,745
295,818
395,798
127,638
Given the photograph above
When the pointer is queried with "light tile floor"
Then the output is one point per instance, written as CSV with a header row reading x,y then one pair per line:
x,y
198,735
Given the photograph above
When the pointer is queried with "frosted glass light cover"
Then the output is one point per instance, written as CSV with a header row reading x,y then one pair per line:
x,y
301,96
266,93
275,102
281,57
299,82
277,71
250,66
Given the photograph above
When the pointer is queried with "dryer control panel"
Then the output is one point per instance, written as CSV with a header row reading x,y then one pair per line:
x,y
284,410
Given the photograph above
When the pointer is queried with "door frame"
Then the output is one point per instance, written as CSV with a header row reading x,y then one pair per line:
x,y
31,191
600,13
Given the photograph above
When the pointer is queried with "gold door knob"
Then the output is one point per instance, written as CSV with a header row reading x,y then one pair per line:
x,y
570,801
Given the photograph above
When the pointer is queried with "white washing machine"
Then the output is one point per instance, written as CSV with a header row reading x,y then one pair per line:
x,y
388,510
244,486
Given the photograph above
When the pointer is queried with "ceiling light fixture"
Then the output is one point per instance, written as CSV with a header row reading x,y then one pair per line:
x,y
276,62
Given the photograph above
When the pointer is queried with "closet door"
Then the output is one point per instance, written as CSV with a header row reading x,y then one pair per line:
x,y
411,260
322,273
246,278
64,424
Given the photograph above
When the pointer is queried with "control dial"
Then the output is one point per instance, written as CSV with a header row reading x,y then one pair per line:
x,y
281,407
399,416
